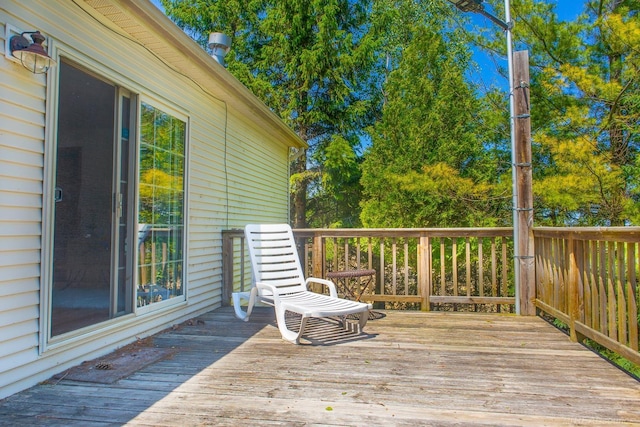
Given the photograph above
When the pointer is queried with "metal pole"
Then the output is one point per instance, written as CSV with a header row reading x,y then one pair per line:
x,y
514,186
506,25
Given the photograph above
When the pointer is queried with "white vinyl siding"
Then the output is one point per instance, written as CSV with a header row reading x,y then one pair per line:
x,y
22,120
236,173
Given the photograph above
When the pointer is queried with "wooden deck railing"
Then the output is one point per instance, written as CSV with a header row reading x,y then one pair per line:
x,y
588,279
415,268
585,277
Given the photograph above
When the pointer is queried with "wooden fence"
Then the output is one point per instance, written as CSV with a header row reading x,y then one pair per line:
x,y
588,279
447,269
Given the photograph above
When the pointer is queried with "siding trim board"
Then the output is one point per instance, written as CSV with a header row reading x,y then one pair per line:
x,y
236,159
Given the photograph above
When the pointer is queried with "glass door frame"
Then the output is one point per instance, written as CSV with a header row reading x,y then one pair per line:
x,y
125,176
47,342
169,109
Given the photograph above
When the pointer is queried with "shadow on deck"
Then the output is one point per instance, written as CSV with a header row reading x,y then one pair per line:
x,y
410,368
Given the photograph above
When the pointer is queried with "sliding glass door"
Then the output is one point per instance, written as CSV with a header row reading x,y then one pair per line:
x,y
92,266
118,236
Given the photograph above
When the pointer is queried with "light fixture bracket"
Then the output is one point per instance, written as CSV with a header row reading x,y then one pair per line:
x,y
30,53
9,33
18,42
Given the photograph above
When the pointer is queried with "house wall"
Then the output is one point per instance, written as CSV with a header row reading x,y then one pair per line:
x,y
237,173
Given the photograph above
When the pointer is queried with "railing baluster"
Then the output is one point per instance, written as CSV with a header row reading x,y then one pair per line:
x,y
572,287
382,266
467,262
595,297
394,266
604,319
346,253
620,293
454,265
494,270
443,281
505,279
480,269
558,298
588,285
611,293
632,309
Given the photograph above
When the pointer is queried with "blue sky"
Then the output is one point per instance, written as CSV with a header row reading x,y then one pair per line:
x,y
568,10
487,74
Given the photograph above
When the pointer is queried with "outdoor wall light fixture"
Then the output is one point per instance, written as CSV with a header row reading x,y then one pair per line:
x,y
468,5
478,7
33,56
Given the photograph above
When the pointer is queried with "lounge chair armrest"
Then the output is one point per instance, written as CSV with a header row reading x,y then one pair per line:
x,y
328,283
272,290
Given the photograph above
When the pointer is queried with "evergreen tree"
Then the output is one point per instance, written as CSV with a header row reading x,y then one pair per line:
x,y
310,62
428,165
439,151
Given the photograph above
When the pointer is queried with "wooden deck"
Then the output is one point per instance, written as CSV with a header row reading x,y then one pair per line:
x,y
410,369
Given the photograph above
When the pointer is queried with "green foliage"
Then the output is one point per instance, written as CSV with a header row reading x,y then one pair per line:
x,y
585,86
427,166
380,89
560,325
614,358
335,199
310,62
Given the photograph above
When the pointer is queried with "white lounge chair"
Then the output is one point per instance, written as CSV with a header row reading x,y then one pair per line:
x,y
278,280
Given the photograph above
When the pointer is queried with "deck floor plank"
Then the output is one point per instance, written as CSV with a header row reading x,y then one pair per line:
x,y
409,369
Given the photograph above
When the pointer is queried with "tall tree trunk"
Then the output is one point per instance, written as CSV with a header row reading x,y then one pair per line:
x,y
299,193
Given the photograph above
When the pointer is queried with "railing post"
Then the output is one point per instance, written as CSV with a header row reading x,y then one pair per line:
x,y
317,255
227,268
523,167
424,272
574,292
